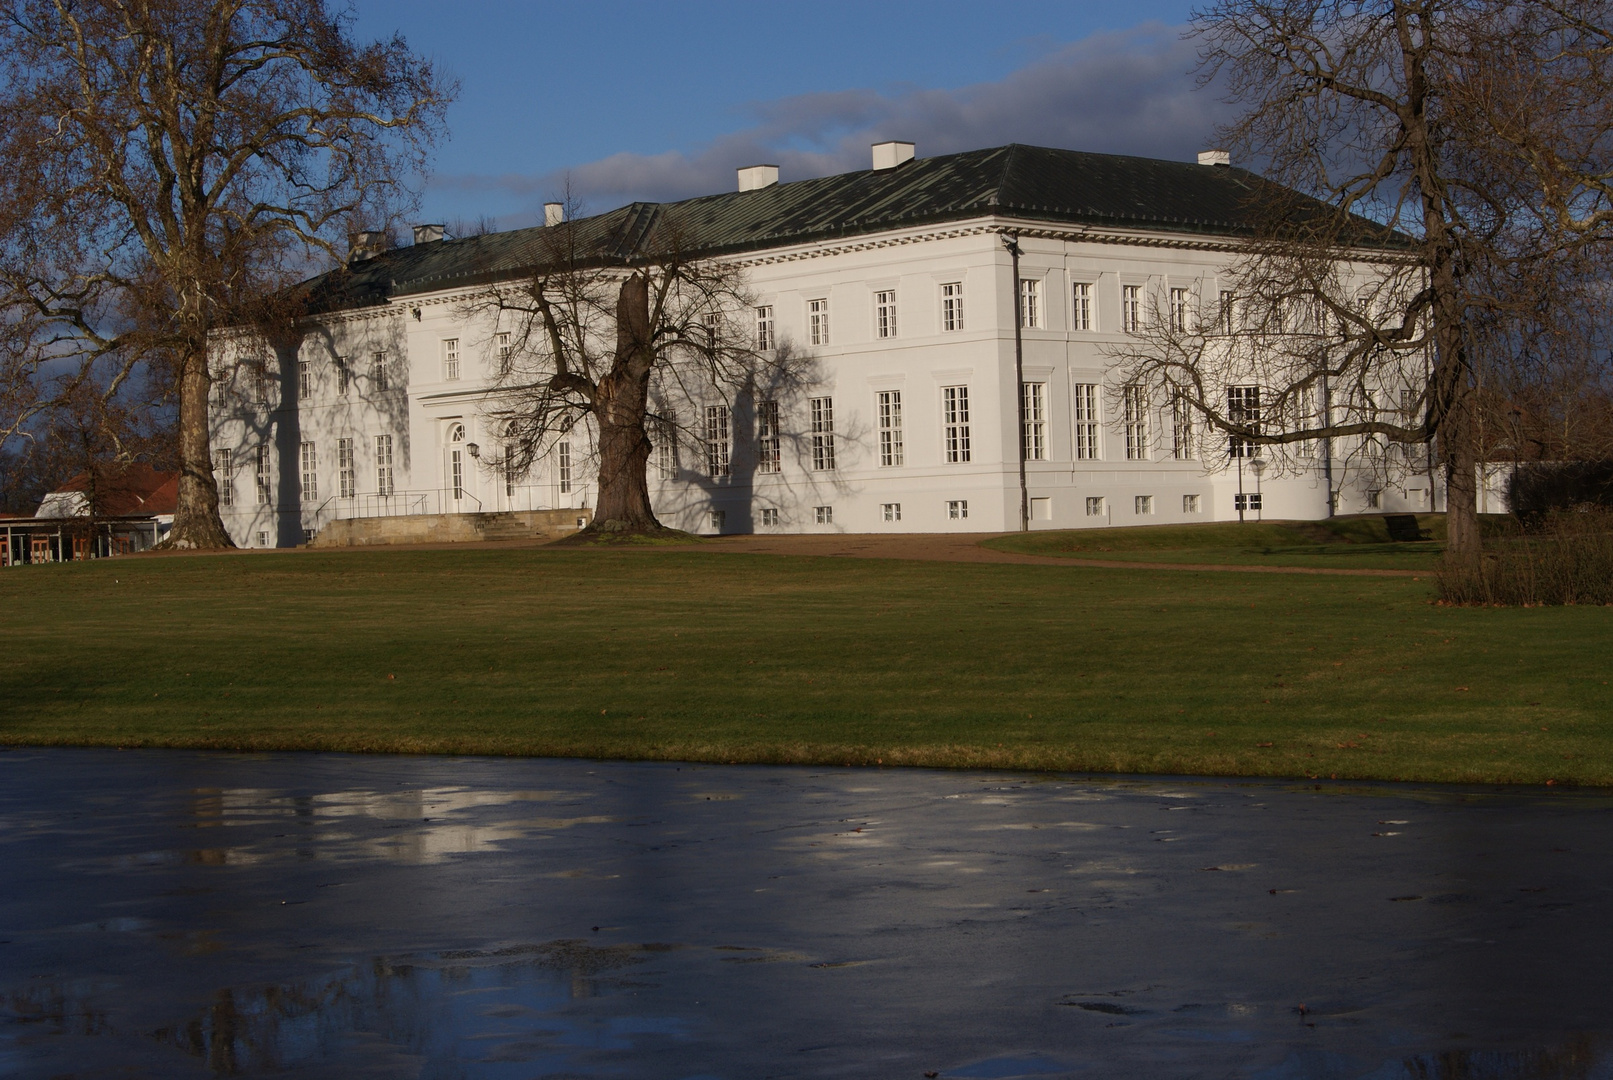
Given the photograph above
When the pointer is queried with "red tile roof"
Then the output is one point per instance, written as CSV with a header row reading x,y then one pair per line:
x,y
139,489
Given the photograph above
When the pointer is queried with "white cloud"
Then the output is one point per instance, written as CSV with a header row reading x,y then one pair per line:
x,y
1127,92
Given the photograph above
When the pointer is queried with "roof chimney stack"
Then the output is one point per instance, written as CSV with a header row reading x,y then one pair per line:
x,y
554,213
367,244
426,234
888,155
1215,157
755,177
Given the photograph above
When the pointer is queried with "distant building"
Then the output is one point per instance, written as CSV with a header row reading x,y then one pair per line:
x,y
896,280
94,515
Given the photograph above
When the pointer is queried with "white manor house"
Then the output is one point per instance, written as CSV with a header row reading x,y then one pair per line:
x,y
898,285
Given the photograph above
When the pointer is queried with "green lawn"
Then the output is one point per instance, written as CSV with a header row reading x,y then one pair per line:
x,y
1346,542
695,654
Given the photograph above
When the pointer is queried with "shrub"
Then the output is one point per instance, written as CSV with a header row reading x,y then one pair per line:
x,y
1558,558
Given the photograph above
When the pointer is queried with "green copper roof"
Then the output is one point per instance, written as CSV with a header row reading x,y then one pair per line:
x,y
1056,186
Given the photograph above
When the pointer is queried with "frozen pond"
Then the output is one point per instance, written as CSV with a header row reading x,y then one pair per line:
x,y
172,914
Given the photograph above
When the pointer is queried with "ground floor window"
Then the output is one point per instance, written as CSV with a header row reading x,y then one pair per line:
x,y
823,515
1142,504
1094,506
1375,499
957,509
719,518
263,539
1246,502
891,511
1190,504
770,516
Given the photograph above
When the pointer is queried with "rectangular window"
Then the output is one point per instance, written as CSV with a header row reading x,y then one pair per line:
x,y
450,359
265,490
891,511
890,428
1250,501
823,515
770,516
1226,312
501,347
952,306
1190,504
343,376
666,451
509,470
717,445
378,379
767,437
1374,499
1131,308
885,313
1142,504
224,476
1243,408
260,382
305,380
310,473
1179,310
383,466
823,434
1030,303
711,325
346,469
764,327
957,509
955,422
818,322
1181,428
1035,394
263,539
308,536
563,467
1135,401
719,518
1086,421
1081,312
1094,506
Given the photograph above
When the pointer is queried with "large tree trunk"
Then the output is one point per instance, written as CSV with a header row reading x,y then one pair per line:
x,y
196,521
621,400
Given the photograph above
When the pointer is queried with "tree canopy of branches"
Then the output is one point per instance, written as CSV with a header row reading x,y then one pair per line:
x,y
1465,148
615,342
172,166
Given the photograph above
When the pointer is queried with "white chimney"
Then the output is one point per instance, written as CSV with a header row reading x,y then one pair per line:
x,y
1215,157
554,213
888,155
755,177
367,244
425,234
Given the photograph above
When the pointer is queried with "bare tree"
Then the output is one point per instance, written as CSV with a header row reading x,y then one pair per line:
x,y
171,165
614,342
1441,171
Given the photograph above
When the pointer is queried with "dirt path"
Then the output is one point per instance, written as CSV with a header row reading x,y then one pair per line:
x,y
965,547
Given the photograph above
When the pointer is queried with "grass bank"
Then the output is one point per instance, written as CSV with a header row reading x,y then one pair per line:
x,y
690,654
1346,542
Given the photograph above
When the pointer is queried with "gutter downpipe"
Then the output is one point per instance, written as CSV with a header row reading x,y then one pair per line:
x,y
1011,242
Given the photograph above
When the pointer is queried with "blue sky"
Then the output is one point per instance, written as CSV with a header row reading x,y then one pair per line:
x,y
627,100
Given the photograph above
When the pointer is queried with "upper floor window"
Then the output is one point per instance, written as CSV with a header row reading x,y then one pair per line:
x,y
501,346
450,359
1035,420
346,469
1081,310
224,476
259,373
955,422
885,313
952,306
305,380
1181,428
1131,308
1180,305
383,466
343,376
264,480
310,473
823,433
818,322
1030,303
764,327
378,374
